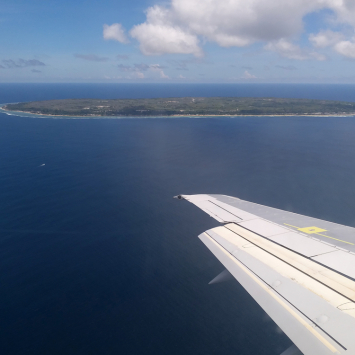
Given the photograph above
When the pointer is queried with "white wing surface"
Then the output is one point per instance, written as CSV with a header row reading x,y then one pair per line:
x,y
299,269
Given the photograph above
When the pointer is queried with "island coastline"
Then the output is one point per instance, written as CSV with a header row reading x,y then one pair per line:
x,y
181,107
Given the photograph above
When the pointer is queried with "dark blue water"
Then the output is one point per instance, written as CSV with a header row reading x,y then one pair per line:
x,y
31,92
96,256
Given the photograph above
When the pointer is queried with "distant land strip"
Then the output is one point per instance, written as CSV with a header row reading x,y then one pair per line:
x,y
184,106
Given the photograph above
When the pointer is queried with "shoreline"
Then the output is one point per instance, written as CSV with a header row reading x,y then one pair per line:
x,y
180,115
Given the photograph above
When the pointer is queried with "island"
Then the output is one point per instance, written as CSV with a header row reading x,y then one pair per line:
x,y
184,106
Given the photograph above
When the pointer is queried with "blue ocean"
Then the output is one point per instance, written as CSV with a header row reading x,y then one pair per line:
x,y
96,256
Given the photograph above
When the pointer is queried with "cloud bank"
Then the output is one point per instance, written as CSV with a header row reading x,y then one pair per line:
x,y
20,63
183,26
138,69
91,57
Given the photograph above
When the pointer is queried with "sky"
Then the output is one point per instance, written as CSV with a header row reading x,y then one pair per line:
x,y
185,41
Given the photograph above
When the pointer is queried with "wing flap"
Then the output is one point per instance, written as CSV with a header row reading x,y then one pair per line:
x,y
341,261
308,338
302,245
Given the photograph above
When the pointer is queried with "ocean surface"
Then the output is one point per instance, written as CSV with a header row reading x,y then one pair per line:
x,y
96,257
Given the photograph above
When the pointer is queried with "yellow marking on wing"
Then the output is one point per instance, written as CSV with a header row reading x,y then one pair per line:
x,y
316,230
290,225
312,230
335,239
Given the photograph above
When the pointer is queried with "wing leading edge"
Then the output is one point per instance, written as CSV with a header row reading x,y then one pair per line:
x,y
299,269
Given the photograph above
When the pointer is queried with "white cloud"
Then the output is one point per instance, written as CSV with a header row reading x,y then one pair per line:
x,y
158,68
346,48
344,10
241,22
138,69
139,75
115,32
163,75
160,35
156,40
291,51
325,38
248,76
336,41
180,27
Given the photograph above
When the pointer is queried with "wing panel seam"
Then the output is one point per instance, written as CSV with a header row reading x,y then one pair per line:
x,y
225,210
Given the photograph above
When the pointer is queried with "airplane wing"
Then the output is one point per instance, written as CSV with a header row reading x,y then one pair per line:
x,y
300,270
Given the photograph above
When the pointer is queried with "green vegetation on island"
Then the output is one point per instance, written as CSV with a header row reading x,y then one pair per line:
x,y
185,106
